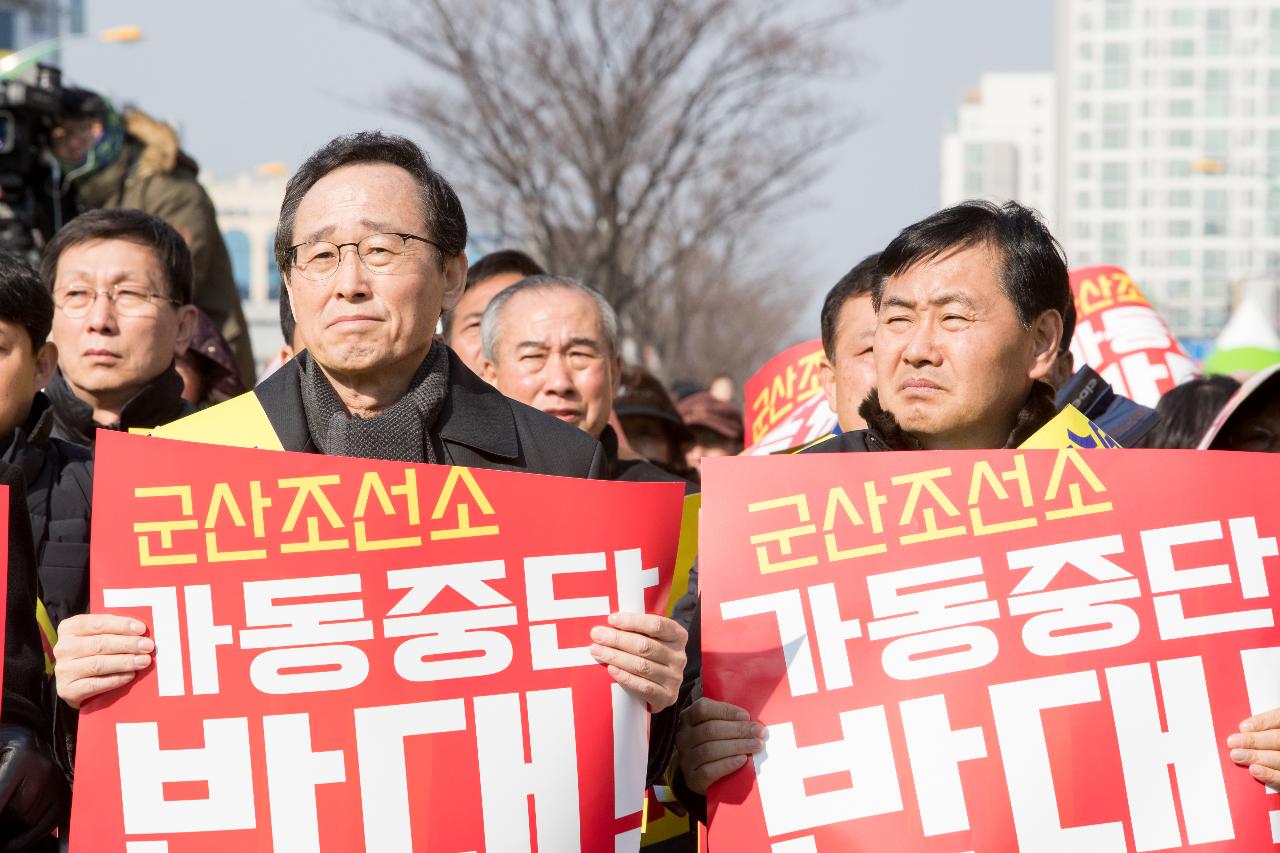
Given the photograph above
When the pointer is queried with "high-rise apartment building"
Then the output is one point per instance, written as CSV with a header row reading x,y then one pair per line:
x,y
24,23
1001,144
1169,147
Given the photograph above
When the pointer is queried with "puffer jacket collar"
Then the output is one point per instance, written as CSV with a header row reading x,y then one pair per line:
x,y
884,433
159,402
30,441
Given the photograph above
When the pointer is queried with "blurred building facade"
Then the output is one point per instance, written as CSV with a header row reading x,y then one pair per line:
x,y
1002,142
247,206
1169,147
24,23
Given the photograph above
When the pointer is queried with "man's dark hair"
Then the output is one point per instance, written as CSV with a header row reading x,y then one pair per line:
x,y
859,281
1187,410
287,324
501,262
24,300
1068,324
80,103
135,226
442,214
1033,269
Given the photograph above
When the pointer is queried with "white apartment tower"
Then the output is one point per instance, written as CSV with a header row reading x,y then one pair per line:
x,y
1169,147
1002,145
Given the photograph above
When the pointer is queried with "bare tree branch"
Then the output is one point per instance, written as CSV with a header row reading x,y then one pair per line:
x,y
642,145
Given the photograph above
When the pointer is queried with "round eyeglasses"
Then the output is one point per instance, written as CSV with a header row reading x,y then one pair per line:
x,y
128,300
380,253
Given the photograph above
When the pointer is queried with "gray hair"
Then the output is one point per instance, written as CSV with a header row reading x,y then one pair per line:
x,y
489,324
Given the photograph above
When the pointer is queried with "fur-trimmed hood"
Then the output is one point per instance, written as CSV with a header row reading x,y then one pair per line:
x,y
145,171
883,431
160,152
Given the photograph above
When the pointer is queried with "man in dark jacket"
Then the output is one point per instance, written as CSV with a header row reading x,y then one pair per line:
x,y
552,342
121,281
57,473
53,512
969,305
372,241
34,794
131,160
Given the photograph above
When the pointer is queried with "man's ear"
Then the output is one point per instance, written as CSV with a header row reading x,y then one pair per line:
x,y
1046,332
827,378
489,373
617,375
186,329
46,359
455,281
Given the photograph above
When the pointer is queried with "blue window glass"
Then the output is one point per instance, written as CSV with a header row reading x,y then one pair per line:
x,y
273,271
238,248
8,35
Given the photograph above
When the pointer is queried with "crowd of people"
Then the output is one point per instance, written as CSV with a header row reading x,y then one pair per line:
x,y
955,336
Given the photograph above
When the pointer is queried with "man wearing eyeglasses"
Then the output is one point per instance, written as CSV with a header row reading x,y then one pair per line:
x,y
121,282
372,242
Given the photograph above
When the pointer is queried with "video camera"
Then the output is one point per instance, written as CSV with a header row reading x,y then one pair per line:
x,y
30,207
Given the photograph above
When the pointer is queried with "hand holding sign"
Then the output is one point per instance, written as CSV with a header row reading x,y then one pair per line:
x,y
97,653
362,655
1257,746
715,739
1024,675
645,654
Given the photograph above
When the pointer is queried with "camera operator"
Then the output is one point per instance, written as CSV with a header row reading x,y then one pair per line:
x,y
32,206
129,159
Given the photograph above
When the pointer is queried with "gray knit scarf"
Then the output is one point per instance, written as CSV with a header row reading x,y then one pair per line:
x,y
401,433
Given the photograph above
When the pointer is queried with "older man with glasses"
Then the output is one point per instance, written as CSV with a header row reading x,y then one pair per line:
x,y
371,240
121,282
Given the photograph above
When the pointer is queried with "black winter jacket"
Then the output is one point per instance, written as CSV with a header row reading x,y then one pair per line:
x,y
59,481
884,433
34,795
477,426
159,402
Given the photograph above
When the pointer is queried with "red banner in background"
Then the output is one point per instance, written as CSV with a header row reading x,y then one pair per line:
x,y
1121,336
785,407
992,651
360,655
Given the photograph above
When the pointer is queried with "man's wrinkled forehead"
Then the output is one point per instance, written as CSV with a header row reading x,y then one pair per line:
x,y
536,307
91,258
977,251
380,197
953,270
374,226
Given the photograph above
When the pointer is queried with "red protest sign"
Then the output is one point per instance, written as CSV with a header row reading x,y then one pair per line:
x,y
785,405
360,655
992,651
1123,338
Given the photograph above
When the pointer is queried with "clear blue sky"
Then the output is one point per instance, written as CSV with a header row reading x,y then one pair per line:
x,y
251,82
